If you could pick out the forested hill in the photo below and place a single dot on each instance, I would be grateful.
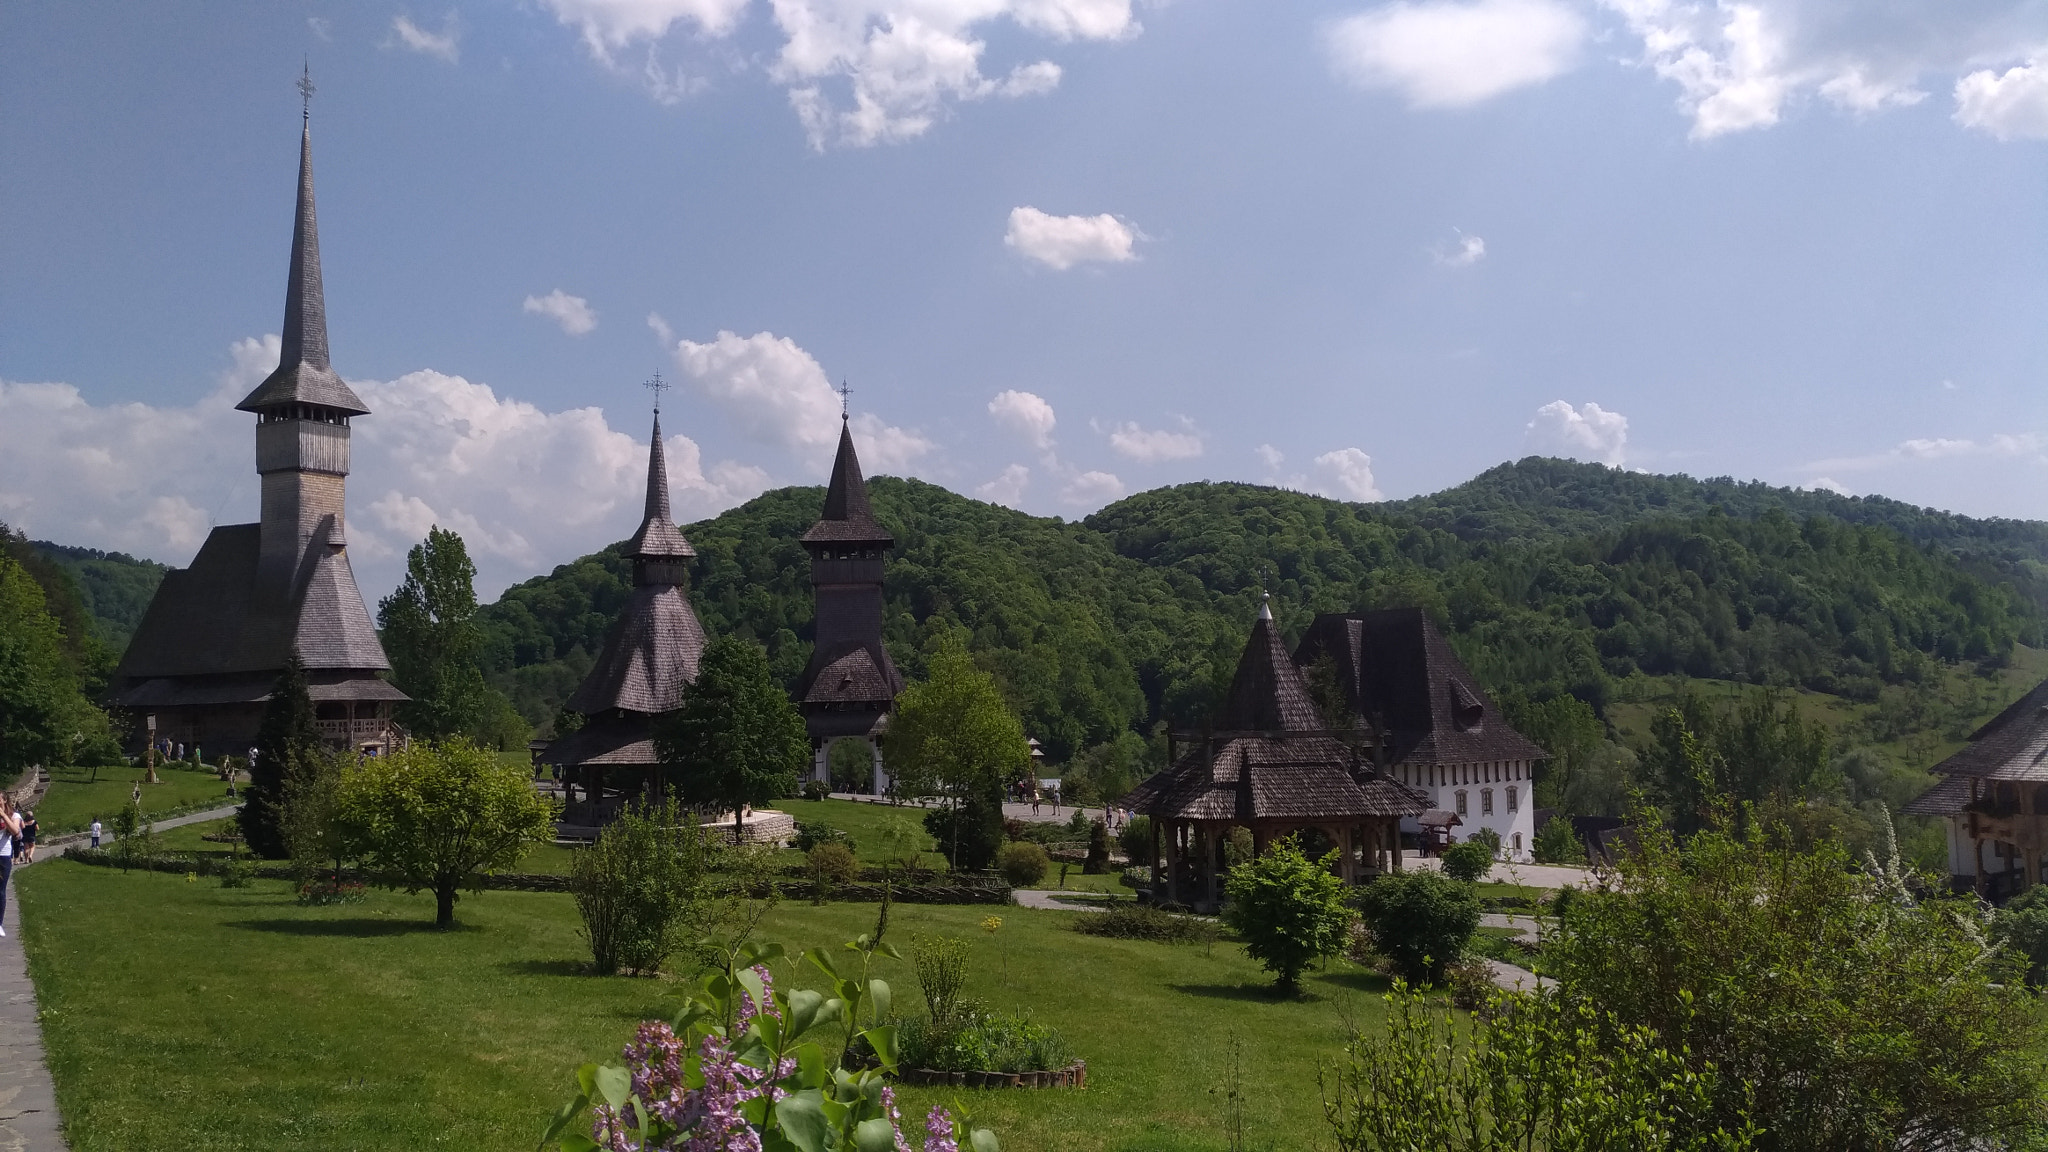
(1553, 577)
(114, 588)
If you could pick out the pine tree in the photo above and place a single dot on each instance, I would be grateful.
(287, 738)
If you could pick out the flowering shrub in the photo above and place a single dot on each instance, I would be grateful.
(324, 890)
(744, 1068)
(984, 1042)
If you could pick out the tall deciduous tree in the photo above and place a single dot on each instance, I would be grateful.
(431, 634)
(287, 742)
(953, 735)
(435, 817)
(38, 689)
(737, 740)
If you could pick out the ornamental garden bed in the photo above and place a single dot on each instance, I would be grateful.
(1074, 1075)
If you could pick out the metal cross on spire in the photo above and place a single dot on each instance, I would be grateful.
(657, 386)
(844, 392)
(306, 90)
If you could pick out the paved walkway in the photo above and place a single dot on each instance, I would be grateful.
(1510, 978)
(1046, 814)
(1532, 875)
(28, 1100)
(1526, 927)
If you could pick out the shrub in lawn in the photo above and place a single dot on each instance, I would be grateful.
(1022, 863)
(1135, 838)
(1467, 861)
(811, 833)
(1136, 878)
(1528, 1072)
(1420, 921)
(982, 1041)
(1137, 922)
(1098, 849)
(637, 889)
(1289, 909)
(815, 790)
(436, 817)
(325, 890)
(969, 833)
(940, 963)
(830, 865)
(1557, 843)
(236, 871)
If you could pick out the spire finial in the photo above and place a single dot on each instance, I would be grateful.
(306, 90)
(657, 386)
(1265, 605)
(844, 392)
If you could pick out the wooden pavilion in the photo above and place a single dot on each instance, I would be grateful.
(1272, 767)
(1993, 797)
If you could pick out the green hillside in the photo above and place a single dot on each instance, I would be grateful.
(1552, 578)
(113, 587)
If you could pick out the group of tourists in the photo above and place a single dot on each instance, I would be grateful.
(17, 838)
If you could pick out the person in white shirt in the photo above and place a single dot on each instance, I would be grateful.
(95, 832)
(10, 827)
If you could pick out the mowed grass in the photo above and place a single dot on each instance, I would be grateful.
(74, 798)
(181, 1015)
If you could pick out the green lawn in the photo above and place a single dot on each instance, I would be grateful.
(864, 823)
(74, 799)
(181, 1015)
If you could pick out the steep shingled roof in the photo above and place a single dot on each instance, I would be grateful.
(2012, 745)
(650, 656)
(303, 375)
(847, 517)
(658, 536)
(1397, 670)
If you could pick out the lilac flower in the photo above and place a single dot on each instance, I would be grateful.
(938, 1131)
(895, 1119)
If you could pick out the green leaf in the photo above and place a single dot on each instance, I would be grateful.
(810, 1066)
(985, 1141)
(878, 992)
(615, 1084)
(877, 1135)
(578, 1142)
(802, 1119)
(586, 1079)
(887, 949)
(883, 1040)
(823, 960)
(562, 1117)
(805, 1009)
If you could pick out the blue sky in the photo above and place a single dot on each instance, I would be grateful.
(1062, 250)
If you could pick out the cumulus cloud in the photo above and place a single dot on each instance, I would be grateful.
(526, 488)
(571, 312)
(1738, 65)
(1025, 413)
(1470, 250)
(1152, 445)
(1007, 488)
(1092, 489)
(610, 25)
(445, 44)
(1063, 241)
(1348, 474)
(1588, 432)
(2010, 105)
(776, 393)
(1999, 445)
(1447, 54)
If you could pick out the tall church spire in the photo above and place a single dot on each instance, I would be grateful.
(658, 537)
(847, 515)
(303, 375)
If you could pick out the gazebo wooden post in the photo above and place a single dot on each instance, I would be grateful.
(1173, 864)
(1212, 845)
(1155, 822)
(1394, 842)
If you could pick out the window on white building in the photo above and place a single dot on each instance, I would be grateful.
(1486, 801)
(1461, 802)
(1514, 799)
(1518, 843)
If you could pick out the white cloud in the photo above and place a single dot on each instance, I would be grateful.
(445, 44)
(1739, 64)
(1588, 432)
(1007, 488)
(1446, 54)
(1825, 484)
(610, 25)
(1092, 489)
(776, 393)
(2011, 105)
(1064, 241)
(1151, 445)
(1271, 457)
(1348, 473)
(1025, 413)
(321, 26)
(525, 488)
(571, 312)
(1470, 250)
(1999, 445)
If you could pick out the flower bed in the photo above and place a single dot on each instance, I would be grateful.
(1074, 1075)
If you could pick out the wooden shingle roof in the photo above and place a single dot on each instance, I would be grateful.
(847, 518)
(2012, 745)
(658, 537)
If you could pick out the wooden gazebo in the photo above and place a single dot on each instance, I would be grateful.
(1273, 768)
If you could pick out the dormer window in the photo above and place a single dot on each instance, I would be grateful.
(1467, 713)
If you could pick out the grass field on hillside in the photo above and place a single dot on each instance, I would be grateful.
(181, 1015)
(74, 798)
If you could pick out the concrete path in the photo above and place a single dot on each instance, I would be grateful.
(28, 1100)
(1046, 814)
(1526, 928)
(1510, 978)
(1531, 875)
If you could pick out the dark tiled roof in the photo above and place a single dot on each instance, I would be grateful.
(851, 674)
(1944, 799)
(1399, 671)
(302, 375)
(1257, 778)
(658, 536)
(1268, 693)
(210, 620)
(649, 657)
(2012, 745)
(606, 740)
(847, 518)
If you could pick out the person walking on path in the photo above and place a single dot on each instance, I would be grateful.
(28, 837)
(95, 831)
(10, 827)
